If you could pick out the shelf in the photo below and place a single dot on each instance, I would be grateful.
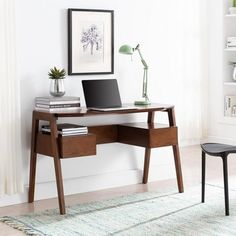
(231, 49)
(228, 120)
(230, 16)
(230, 83)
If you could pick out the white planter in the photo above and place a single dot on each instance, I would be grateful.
(232, 10)
(234, 73)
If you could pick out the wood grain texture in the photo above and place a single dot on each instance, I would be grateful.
(33, 158)
(57, 165)
(69, 146)
(175, 147)
(77, 146)
(104, 133)
(147, 135)
(146, 165)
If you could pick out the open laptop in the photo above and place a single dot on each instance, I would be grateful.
(103, 95)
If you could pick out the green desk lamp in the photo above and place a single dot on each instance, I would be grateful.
(128, 50)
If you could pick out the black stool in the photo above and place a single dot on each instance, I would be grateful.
(221, 150)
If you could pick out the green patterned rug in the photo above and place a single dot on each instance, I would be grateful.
(141, 214)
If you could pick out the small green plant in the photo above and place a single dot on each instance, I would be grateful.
(55, 73)
(234, 3)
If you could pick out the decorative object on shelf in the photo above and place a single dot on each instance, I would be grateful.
(57, 88)
(230, 105)
(90, 41)
(232, 10)
(231, 42)
(128, 50)
(234, 70)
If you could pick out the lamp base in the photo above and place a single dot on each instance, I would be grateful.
(142, 102)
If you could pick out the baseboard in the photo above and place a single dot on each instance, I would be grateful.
(216, 139)
(47, 190)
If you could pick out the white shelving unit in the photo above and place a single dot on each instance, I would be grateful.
(229, 55)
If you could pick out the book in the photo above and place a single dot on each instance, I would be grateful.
(67, 126)
(49, 106)
(57, 100)
(66, 129)
(232, 44)
(67, 134)
(230, 105)
(59, 109)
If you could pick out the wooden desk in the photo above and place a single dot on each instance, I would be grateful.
(148, 135)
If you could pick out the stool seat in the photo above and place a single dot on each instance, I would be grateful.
(218, 149)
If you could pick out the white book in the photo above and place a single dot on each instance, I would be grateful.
(66, 109)
(51, 106)
(230, 105)
(231, 44)
(57, 100)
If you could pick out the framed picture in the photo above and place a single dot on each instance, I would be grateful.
(90, 41)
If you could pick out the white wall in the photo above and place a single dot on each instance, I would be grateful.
(42, 43)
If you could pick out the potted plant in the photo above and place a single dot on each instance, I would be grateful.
(232, 10)
(57, 77)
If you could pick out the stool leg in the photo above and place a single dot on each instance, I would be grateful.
(203, 175)
(225, 172)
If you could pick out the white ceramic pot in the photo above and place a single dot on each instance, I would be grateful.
(232, 10)
(234, 73)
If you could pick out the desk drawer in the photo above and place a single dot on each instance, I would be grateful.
(147, 135)
(69, 146)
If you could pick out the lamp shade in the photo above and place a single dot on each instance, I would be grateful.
(126, 49)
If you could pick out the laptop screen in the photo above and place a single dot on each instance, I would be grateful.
(101, 93)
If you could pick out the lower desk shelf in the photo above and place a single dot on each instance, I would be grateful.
(69, 146)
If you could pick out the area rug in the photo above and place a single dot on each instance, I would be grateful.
(150, 213)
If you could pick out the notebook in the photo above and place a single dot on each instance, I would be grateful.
(103, 95)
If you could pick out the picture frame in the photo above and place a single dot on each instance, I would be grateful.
(90, 41)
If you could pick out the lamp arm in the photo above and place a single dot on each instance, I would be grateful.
(142, 60)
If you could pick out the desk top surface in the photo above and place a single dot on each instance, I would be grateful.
(83, 111)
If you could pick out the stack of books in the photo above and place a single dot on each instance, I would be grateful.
(231, 42)
(57, 104)
(66, 129)
(230, 105)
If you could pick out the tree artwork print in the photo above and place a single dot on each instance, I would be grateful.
(91, 39)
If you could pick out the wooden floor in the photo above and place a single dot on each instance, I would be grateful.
(191, 163)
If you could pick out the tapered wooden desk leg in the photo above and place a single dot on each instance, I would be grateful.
(172, 122)
(60, 191)
(33, 159)
(57, 165)
(150, 120)
(146, 165)
(178, 168)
